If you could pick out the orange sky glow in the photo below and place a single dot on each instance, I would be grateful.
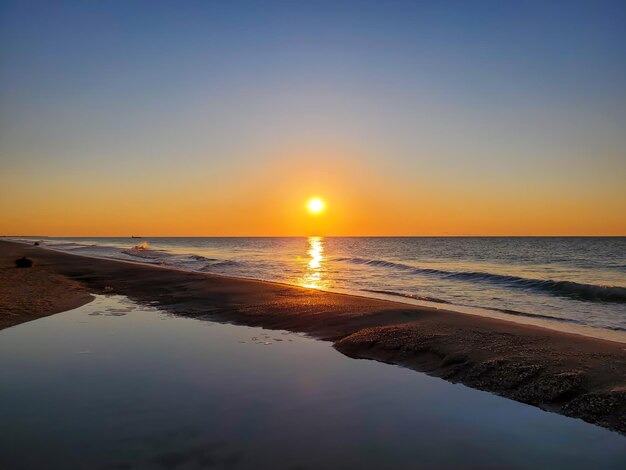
(270, 200)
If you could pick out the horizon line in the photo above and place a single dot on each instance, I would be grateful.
(136, 237)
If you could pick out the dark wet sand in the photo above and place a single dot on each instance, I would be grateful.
(565, 373)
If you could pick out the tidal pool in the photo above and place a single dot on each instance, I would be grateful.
(114, 384)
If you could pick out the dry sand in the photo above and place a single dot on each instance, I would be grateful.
(28, 294)
(569, 374)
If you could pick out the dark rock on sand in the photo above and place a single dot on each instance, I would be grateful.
(23, 262)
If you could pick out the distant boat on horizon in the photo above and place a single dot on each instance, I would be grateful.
(133, 236)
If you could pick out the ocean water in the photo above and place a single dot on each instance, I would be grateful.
(570, 283)
(114, 384)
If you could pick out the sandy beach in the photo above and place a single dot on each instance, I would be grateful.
(569, 374)
(28, 294)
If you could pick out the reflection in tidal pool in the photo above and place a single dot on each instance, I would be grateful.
(117, 385)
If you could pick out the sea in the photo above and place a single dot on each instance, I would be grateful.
(575, 284)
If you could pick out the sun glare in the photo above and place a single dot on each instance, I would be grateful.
(315, 205)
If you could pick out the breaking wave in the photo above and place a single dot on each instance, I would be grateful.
(571, 289)
(143, 253)
(407, 296)
(218, 264)
(516, 313)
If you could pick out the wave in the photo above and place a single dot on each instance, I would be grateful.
(201, 258)
(549, 317)
(516, 313)
(148, 255)
(407, 296)
(571, 289)
(143, 253)
(218, 264)
(190, 262)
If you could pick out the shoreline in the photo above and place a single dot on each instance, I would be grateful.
(567, 373)
(529, 319)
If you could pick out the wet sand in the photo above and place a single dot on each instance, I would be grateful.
(569, 374)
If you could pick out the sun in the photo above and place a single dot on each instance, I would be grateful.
(315, 205)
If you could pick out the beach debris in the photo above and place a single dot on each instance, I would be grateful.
(24, 262)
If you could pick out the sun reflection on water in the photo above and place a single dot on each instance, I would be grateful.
(315, 275)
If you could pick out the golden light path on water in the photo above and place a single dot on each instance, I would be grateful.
(315, 275)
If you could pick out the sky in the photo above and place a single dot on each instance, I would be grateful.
(196, 118)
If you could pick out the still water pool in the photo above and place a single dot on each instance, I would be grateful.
(114, 384)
